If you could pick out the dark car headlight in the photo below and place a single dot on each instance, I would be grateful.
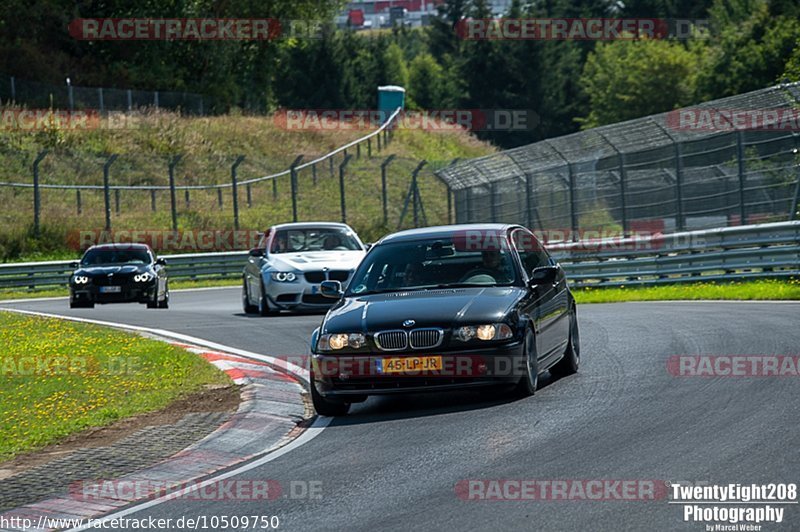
(488, 331)
(80, 279)
(143, 277)
(337, 341)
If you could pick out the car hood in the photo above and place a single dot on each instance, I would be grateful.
(116, 269)
(316, 260)
(431, 308)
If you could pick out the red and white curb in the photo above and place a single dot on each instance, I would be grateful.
(272, 419)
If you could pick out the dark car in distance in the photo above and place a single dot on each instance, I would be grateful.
(441, 308)
(119, 273)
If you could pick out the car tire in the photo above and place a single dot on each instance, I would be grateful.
(165, 302)
(572, 355)
(246, 306)
(263, 304)
(326, 407)
(530, 380)
(153, 303)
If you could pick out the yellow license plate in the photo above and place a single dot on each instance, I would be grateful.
(410, 364)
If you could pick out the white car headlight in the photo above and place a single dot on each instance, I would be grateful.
(80, 279)
(142, 277)
(284, 277)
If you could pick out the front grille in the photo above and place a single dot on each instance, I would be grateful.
(315, 277)
(116, 280)
(338, 275)
(391, 340)
(317, 299)
(425, 338)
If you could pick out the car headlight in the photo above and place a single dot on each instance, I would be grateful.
(80, 279)
(283, 277)
(489, 331)
(334, 342)
(142, 277)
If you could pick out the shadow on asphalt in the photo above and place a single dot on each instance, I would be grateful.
(395, 407)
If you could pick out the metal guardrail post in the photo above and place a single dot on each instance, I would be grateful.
(369, 148)
(342, 200)
(235, 191)
(384, 192)
(106, 190)
(172, 199)
(741, 168)
(37, 197)
(378, 137)
(358, 151)
(293, 176)
(680, 223)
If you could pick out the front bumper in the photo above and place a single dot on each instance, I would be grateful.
(129, 293)
(296, 295)
(340, 376)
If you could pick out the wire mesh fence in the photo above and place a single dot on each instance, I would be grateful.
(36, 95)
(726, 162)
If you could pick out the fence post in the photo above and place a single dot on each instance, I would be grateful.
(70, 96)
(369, 147)
(219, 198)
(13, 89)
(249, 195)
(106, 190)
(740, 156)
(78, 201)
(413, 195)
(492, 202)
(384, 199)
(528, 203)
(116, 201)
(378, 137)
(155, 99)
(235, 191)
(293, 176)
(100, 99)
(274, 188)
(573, 203)
(358, 151)
(172, 199)
(187, 198)
(37, 197)
(314, 173)
(450, 195)
(153, 199)
(342, 201)
(330, 160)
(679, 223)
(130, 100)
(623, 200)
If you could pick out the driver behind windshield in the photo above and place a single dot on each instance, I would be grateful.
(494, 264)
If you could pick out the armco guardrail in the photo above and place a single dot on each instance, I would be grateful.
(769, 250)
(753, 251)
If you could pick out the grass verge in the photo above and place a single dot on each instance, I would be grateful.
(746, 290)
(58, 378)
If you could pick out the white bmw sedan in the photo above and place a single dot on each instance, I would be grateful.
(285, 270)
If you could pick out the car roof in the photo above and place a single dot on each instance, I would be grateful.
(441, 231)
(310, 225)
(120, 245)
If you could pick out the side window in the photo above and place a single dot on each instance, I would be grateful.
(531, 252)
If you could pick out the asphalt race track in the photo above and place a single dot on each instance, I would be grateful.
(393, 463)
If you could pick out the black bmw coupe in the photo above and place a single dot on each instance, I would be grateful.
(119, 273)
(440, 308)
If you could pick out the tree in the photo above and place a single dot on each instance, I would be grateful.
(425, 82)
(396, 71)
(630, 79)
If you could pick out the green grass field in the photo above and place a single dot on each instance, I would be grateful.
(58, 378)
(209, 146)
(745, 290)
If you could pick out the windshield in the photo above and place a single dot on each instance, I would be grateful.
(314, 239)
(432, 263)
(115, 256)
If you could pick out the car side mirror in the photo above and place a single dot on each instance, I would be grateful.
(543, 275)
(332, 289)
(256, 252)
(161, 262)
(75, 265)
